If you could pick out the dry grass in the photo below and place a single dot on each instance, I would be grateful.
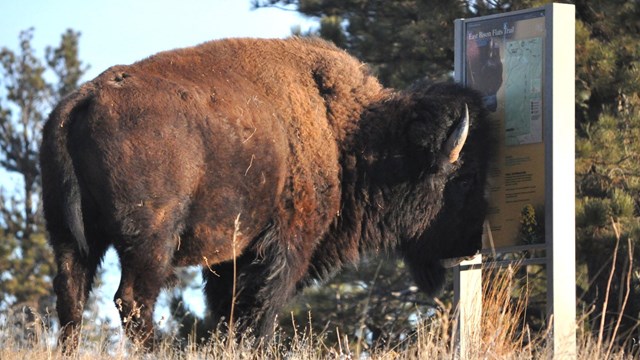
(504, 336)
(429, 344)
(22, 343)
(504, 333)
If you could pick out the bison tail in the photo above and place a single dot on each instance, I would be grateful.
(61, 189)
(75, 220)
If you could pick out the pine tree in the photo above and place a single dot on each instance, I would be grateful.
(401, 40)
(607, 164)
(26, 96)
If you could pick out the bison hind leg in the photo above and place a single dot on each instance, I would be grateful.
(72, 284)
(146, 263)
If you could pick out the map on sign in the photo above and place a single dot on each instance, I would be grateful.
(523, 91)
(504, 60)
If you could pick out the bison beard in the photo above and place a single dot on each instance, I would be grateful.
(292, 141)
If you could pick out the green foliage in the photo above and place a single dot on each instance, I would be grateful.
(65, 63)
(607, 159)
(594, 212)
(622, 204)
(26, 262)
(607, 67)
(373, 306)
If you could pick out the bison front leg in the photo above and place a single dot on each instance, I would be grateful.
(285, 270)
(144, 271)
(220, 284)
(234, 286)
(263, 285)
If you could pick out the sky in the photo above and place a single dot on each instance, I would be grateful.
(124, 31)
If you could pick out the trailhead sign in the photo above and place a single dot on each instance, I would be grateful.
(505, 61)
(523, 63)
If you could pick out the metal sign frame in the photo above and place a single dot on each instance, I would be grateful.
(559, 188)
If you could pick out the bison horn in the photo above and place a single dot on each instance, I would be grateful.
(455, 142)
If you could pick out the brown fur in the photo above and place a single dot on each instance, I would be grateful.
(293, 138)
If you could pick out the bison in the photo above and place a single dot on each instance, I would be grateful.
(279, 161)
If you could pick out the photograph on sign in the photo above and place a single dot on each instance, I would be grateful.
(504, 60)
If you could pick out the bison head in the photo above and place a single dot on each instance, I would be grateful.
(456, 230)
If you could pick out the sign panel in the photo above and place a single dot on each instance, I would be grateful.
(523, 62)
(504, 58)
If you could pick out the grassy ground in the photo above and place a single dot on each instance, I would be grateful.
(503, 337)
(431, 341)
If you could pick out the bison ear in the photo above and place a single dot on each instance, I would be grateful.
(455, 142)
